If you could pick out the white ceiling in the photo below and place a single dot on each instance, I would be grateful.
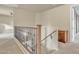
(32, 7)
(9, 5)
(38, 7)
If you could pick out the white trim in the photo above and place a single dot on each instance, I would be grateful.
(71, 23)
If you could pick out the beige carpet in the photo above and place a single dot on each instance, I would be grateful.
(9, 46)
(69, 48)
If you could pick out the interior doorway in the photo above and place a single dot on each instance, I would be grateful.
(74, 24)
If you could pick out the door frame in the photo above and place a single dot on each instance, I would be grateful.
(72, 23)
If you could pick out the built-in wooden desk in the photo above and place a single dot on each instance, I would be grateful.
(62, 36)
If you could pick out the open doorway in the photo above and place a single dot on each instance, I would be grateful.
(74, 24)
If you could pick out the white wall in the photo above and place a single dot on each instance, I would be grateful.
(5, 15)
(6, 11)
(37, 18)
(57, 17)
(6, 19)
(24, 17)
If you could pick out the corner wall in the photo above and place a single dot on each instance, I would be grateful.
(58, 17)
(24, 17)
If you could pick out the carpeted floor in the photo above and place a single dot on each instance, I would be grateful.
(69, 48)
(9, 46)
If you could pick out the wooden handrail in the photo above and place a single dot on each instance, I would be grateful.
(26, 27)
(48, 35)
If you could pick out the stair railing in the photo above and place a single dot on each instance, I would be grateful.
(37, 43)
(50, 35)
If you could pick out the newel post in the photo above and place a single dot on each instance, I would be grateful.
(38, 39)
